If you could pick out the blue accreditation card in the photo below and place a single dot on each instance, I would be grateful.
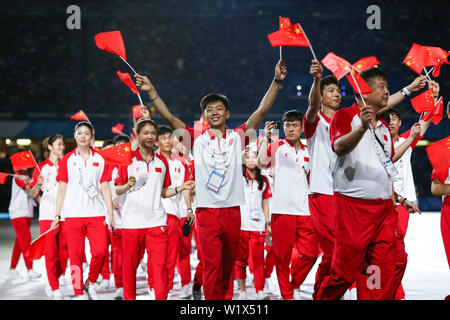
(215, 181)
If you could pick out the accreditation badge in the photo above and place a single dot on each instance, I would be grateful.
(215, 181)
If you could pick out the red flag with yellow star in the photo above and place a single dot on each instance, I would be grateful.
(424, 102)
(120, 154)
(435, 115)
(22, 160)
(294, 36)
(79, 116)
(117, 129)
(366, 63)
(415, 59)
(439, 154)
(433, 55)
(339, 66)
(362, 86)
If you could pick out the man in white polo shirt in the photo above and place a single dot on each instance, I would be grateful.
(218, 178)
(291, 221)
(362, 184)
(144, 220)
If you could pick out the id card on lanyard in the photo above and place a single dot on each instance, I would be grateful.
(220, 162)
(385, 160)
(86, 178)
(255, 211)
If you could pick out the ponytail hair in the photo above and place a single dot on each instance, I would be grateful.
(50, 140)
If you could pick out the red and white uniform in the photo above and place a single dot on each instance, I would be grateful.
(291, 222)
(21, 214)
(253, 230)
(444, 177)
(217, 213)
(57, 252)
(84, 212)
(179, 173)
(365, 214)
(144, 223)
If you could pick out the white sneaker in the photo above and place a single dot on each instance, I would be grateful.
(142, 268)
(260, 295)
(104, 284)
(62, 282)
(48, 291)
(151, 294)
(90, 290)
(242, 295)
(33, 275)
(297, 295)
(81, 297)
(353, 294)
(186, 292)
(14, 275)
(57, 295)
(119, 294)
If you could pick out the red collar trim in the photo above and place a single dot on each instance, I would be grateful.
(325, 117)
(137, 154)
(301, 144)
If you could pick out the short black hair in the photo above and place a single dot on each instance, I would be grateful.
(108, 142)
(145, 122)
(386, 116)
(213, 97)
(370, 74)
(324, 82)
(162, 130)
(292, 115)
(121, 137)
(84, 124)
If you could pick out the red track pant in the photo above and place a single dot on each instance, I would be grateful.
(269, 262)
(56, 252)
(23, 239)
(365, 240)
(323, 219)
(105, 272)
(76, 230)
(251, 244)
(173, 234)
(116, 256)
(445, 226)
(289, 231)
(184, 255)
(155, 241)
(218, 230)
(198, 276)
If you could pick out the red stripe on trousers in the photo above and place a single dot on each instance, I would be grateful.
(323, 219)
(251, 244)
(56, 252)
(154, 240)
(365, 236)
(76, 231)
(23, 239)
(289, 232)
(218, 230)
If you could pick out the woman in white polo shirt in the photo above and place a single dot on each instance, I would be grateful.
(44, 184)
(84, 196)
(144, 220)
(254, 218)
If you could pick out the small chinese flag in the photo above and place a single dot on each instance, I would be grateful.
(289, 35)
(439, 154)
(435, 115)
(120, 154)
(364, 88)
(285, 23)
(433, 55)
(117, 129)
(366, 63)
(437, 66)
(336, 64)
(3, 177)
(424, 102)
(125, 77)
(415, 59)
(22, 160)
(137, 111)
(38, 247)
(111, 42)
(79, 116)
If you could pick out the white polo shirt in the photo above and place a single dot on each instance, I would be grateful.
(404, 181)
(360, 174)
(21, 203)
(49, 189)
(179, 173)
(252, 214)
(115, 197)
(322, 157)
(208, 150)
(143, 206)
(78, 174)
(290, 182)
(189, 173)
